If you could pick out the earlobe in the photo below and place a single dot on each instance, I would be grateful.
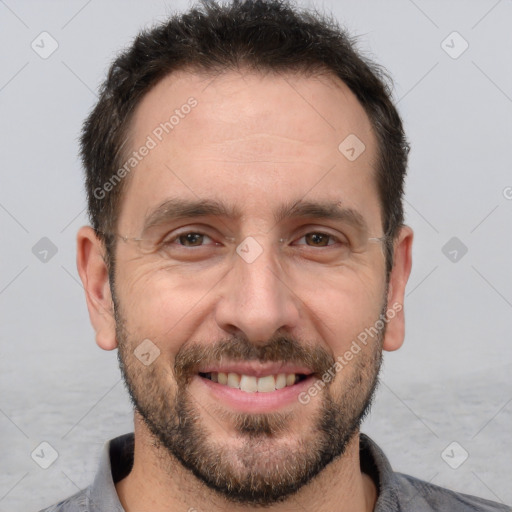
(93, 272)
(402, 264)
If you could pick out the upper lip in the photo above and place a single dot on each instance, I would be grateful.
(255, 368)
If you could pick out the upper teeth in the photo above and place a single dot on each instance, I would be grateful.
(251, 384)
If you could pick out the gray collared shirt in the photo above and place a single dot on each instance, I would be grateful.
(397, 492)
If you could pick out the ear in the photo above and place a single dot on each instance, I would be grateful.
(94, 275)
(402, 263)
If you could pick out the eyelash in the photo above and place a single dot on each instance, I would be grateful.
(176, 237)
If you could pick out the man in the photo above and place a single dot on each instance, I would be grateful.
(248, 258)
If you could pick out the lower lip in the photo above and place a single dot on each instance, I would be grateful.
(256, 402)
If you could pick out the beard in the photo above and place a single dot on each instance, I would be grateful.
(261, 464)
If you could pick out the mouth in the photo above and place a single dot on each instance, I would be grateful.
(252, 383)
(254, 387)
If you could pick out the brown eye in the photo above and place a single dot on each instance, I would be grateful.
(191, 239)
(318, 239)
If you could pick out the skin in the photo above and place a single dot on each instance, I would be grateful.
(255, 141)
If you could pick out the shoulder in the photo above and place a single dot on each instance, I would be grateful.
(76, 503)
(421, 496)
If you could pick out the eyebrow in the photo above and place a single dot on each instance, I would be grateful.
(178, 208)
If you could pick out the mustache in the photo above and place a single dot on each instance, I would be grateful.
(239, 348)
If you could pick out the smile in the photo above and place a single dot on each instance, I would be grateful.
(253, 384)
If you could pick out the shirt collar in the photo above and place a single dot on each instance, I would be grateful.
(117, 460)
(375, 464)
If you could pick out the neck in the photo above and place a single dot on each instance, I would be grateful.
(340, 487)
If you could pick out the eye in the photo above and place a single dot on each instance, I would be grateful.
(319, 239)
(187, 239)
(198, 239)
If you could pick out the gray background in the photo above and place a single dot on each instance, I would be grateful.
(451, 379)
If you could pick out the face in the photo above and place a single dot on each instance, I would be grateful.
(254, 271)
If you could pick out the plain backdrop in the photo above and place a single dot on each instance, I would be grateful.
(450, 382)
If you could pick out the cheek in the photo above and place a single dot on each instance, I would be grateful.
(159, 303)
(342, 304)
(168, 303)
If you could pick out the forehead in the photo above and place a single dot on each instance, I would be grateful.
(250, 139)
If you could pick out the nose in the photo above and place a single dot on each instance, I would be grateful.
(255, 297)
